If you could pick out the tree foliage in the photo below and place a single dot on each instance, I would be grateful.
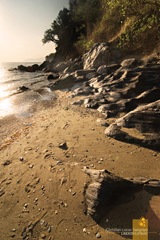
(139, 19)
(130, 23)
(58, 27)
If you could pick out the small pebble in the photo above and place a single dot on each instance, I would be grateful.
(13, 235)
(43, 236)
(84, 230)
(63, 180)
(45, 151)
(6, 163)
(98, 235)
(21, 159)
(47, 155)
(42, 222)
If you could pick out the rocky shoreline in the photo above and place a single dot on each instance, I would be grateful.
(128, 91)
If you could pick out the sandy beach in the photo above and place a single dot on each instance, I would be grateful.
(42, 178)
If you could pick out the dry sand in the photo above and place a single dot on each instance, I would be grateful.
(41, 186)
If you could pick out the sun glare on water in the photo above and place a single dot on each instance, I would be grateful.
(1, 73)
(6, 107)
(3, 92)
(3, 88)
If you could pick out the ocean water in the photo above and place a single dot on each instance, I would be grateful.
(15, 102)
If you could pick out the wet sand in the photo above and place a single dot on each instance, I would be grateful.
(41, 183)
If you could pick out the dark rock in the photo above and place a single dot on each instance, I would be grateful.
(63, 146)
(104, 190)
(52, 76)
(23, 88)
(44, 65)
(22, 68)
(32, 68)
(7, 162)
(2, 192)
(148, 96)
(112, 68)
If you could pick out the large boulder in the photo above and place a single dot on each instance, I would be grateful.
(105, 190)
(52, 76)
(23, 88)
(98, 55)
(144, 118)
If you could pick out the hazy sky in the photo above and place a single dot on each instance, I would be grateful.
(22, 25)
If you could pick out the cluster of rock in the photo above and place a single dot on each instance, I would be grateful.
(32, 68)
(128, 91)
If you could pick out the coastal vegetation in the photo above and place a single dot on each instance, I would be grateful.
(129, 25)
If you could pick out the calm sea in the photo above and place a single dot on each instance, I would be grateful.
(19, 103)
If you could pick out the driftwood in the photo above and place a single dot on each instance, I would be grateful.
(104, 190)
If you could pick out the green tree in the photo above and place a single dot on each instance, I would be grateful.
(58, 28)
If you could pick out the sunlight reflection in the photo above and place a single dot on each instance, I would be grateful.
(6, 107)
(2, 73)
(3, 92)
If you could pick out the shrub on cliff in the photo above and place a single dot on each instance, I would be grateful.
(130, 23)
